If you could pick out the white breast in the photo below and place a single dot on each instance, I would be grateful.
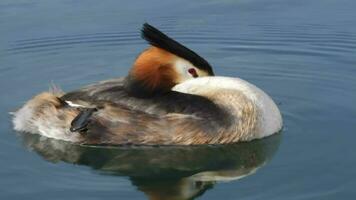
(271, 120)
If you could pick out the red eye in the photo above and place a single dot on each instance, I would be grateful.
(193, 72)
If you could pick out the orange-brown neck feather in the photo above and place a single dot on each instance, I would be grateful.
(153, 68)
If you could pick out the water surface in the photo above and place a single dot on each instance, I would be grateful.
(302, 53)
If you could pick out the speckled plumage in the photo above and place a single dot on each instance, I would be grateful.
(213, 114)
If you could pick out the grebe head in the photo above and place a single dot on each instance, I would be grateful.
(164, 64)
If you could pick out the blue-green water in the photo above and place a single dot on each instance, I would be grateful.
(302, 53)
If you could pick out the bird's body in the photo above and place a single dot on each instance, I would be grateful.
(209, 110)
(165, 100)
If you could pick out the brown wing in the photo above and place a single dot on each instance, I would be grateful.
(115, 124)
(113, 91)
(170, 118)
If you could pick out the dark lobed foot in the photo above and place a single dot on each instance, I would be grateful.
(81, 121)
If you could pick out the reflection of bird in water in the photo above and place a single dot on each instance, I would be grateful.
(176, 189)
(164, 172)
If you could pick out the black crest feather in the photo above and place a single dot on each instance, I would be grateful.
(158, 39)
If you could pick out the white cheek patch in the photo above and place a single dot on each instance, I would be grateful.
(74, 104)
(182, 66)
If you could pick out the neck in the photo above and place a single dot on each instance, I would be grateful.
(251, 109)
(138, 88)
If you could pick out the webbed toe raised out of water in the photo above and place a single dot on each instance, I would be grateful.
(81, 121)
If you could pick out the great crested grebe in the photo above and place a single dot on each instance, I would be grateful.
(169, 97)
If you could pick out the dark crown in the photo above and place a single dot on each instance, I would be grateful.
(160, 40)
